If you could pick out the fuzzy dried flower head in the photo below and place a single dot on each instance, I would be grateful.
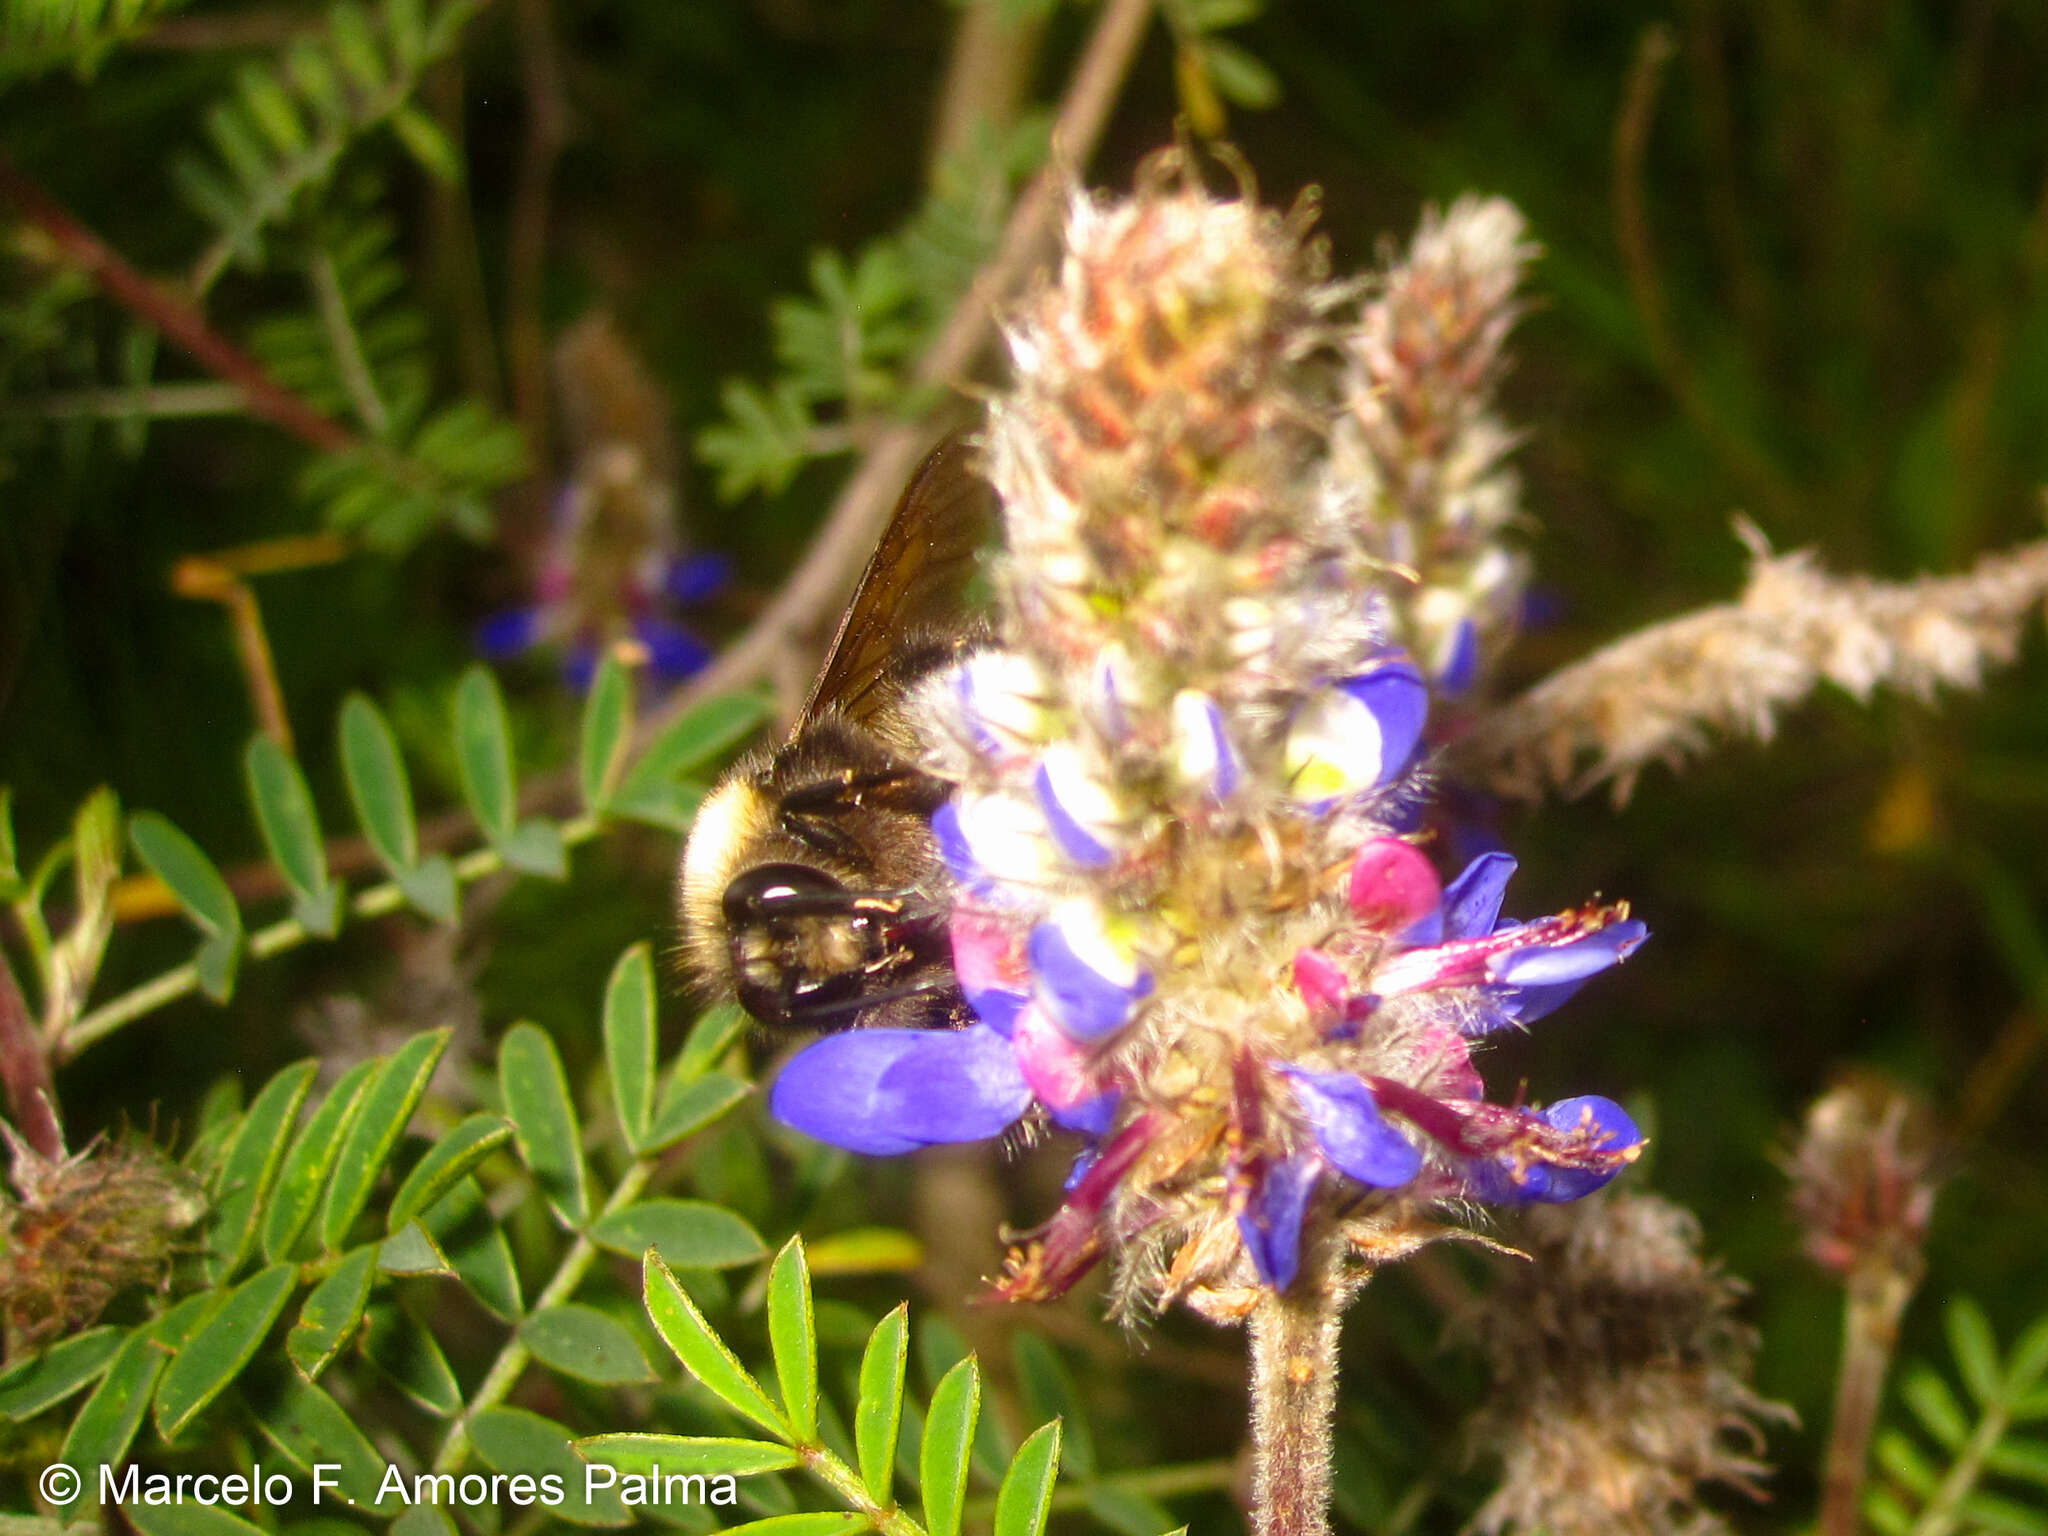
(1622, 1377)
(1862, 1178)
(1193, 912)
(82, 1229)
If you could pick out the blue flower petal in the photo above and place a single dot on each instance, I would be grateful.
(1498, 1180)
(1472, 901)
(1552, 965)
(1348, 1127)
(889, 1091)
(1615, 1131)
(997, 1007)
(1459, 667)
(1073, 838)
(1092, 1117)
(507, 634)
(579, 665)
(1270, 1224)
(673, 653)
(694, 578)
(1082, 1000)
(1399, 701)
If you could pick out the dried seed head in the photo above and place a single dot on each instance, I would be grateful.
(83, 1229)
(1622, 1377)
(1862, 1180)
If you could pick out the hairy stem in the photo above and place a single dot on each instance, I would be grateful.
(1877, 1298)
(1294, 1394)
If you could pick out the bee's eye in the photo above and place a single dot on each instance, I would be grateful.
(770, 891)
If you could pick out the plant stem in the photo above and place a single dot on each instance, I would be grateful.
(1294, 1395)
(512, 1359)
(25, 1071)
(173, 984)
(170, 314)
(1876, 1300)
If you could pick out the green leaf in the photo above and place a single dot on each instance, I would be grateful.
(1886, 1514)
(793, 1339)
(1241, 78)
(177, 861)
(703, 1353)
(822, 1522)
(224, 1343)
(702, 735)
(10, 869)
(536, 847)
(607, 718)
(444, 1163)
(2017, 1456)
(512, 1440)
(423, 1520)
(296, 1195)
(410, 1358)
(1996, 1516)
(879, 1412)
(250, 1166)
(629, 1035)
(475, 1245)
(1025, 1498)
(1936, 1407)
(1132, 1514)
(412, 1251)
(865, 1251)
(291, 832)
(948, 1447)
(1899, 1455)
(106, 1425)
(374, 1130)
(1976, 1350)
(687, 1234)
(581, 1342)
(29, 1386)
(331, 1311)
(311, 1429)
(544, 1120)
(687, 1110)
(426, 143)
(1049, 1393)
(187, 1520)
(2029, 1360)
(709, 1039)
(483, 753)
(377, 785)
(639, 1455)
(431, 887)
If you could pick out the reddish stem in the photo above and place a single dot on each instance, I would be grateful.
(25, 1071)
(171, 315)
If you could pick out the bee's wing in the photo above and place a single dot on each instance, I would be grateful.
(915, 581)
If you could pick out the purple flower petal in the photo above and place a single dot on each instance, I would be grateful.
(1270, 1224)
(1087, 986)
(1202, 750)
(1552, 965)
(579, 665)
(890, 1091)
(1472, 901)
(1092, 1117)
(1349, 1128)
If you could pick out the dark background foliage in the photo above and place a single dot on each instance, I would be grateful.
(1841, 231)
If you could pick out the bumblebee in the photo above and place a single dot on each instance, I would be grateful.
(811, 888)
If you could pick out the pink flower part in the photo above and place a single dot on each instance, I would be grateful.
(988, 952)
(1059, 1070)
(1321, 984)
(1392, 885)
